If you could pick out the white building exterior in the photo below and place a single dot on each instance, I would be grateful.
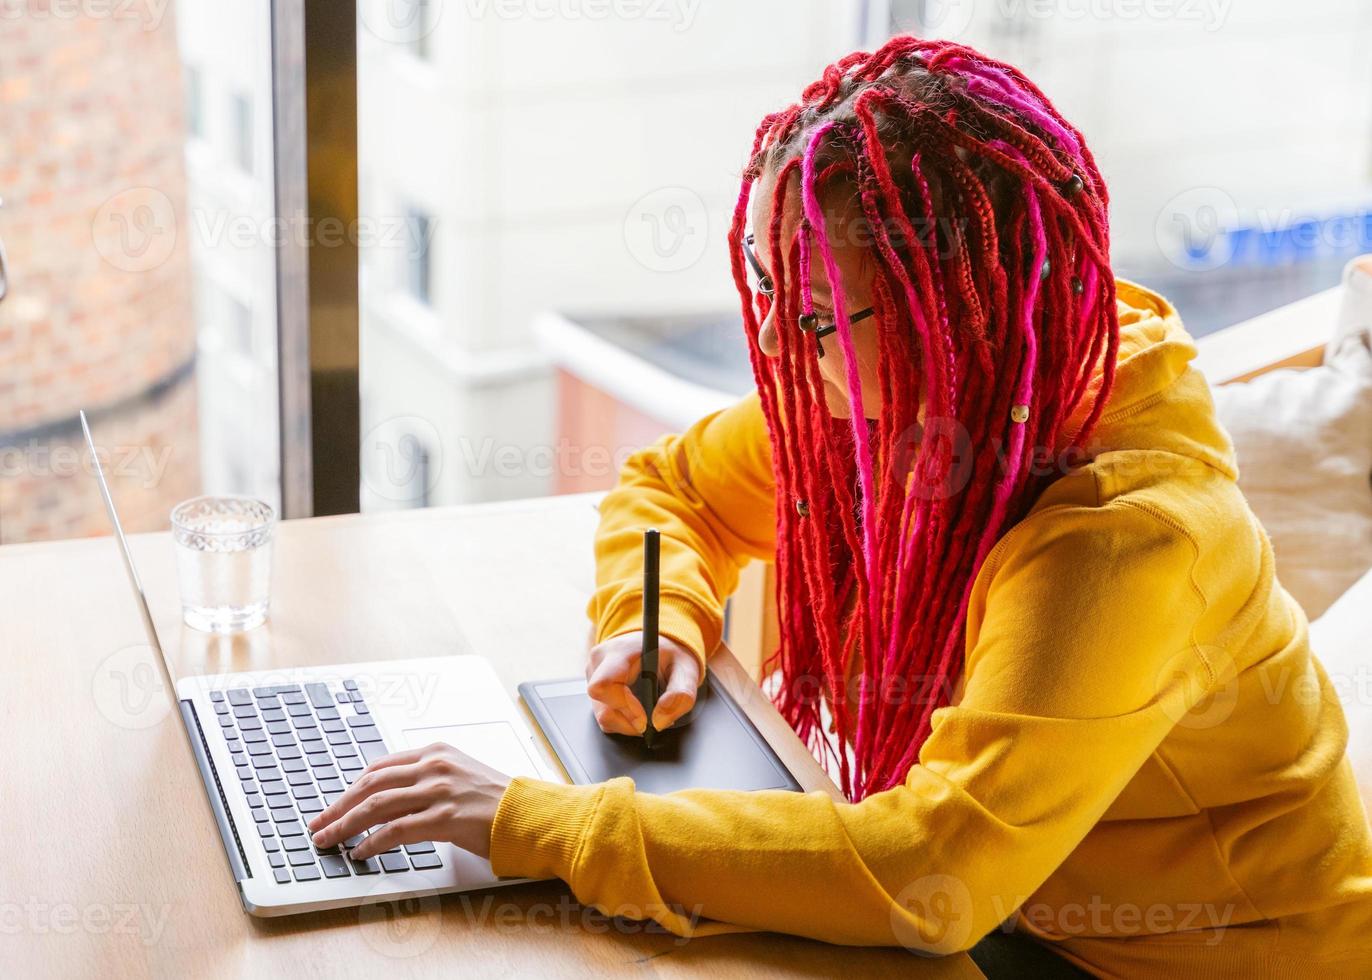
(518, 156)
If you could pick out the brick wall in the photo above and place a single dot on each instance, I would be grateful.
(99, 312)
(47, 485)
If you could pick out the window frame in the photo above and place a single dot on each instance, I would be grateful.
(314, 65)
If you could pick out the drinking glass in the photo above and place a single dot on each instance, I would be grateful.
(224, 561)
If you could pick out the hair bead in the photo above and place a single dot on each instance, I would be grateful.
(1019, 413)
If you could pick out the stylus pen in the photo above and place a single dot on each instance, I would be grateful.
(650, 685)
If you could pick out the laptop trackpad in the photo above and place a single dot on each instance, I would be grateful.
(493, 742)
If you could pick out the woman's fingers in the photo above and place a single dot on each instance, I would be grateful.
(614, 670)
(614, 667)
(616, 648)
(371, 812)
(616, 722)
(680, 693)
(406, 758)
(376, 777)
(404, 830)
(609, 690)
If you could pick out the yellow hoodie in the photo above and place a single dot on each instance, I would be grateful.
(1146, 765)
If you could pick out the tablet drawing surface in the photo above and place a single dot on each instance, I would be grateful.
(718, 749)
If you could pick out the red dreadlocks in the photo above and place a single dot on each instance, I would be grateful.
(997, 336)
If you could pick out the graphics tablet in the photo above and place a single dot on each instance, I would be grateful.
(718, 749)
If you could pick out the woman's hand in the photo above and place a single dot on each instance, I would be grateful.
(612, 670)
(428, 794)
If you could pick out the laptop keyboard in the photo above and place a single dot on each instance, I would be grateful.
(296, 747)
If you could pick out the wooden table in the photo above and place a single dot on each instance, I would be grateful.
(110, 862)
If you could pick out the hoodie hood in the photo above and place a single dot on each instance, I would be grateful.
(1159, 402)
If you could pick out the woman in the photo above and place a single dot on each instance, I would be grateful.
(1026, 616)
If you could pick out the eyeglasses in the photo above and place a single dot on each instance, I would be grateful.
(809, 322)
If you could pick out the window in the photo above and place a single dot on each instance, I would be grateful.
(421, 20)
(195, 100)
(242, 130)
(149, 215)
(403, 25)
(239, 327)
(415, 462)
(579, 161)
(418, 257)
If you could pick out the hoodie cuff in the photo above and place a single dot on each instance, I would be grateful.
(539, 828)
(679, 619)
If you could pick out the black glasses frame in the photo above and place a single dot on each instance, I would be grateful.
(809, 322)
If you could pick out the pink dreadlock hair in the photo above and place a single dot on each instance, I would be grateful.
(997, 336)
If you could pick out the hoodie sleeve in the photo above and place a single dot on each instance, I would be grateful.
(711, 494)
(1071, 682)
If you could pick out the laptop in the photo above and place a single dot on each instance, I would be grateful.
(273, 748)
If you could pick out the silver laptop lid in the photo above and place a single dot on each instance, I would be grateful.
(134, 581)
(214, 792)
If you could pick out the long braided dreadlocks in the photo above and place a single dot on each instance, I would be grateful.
(997, 335)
